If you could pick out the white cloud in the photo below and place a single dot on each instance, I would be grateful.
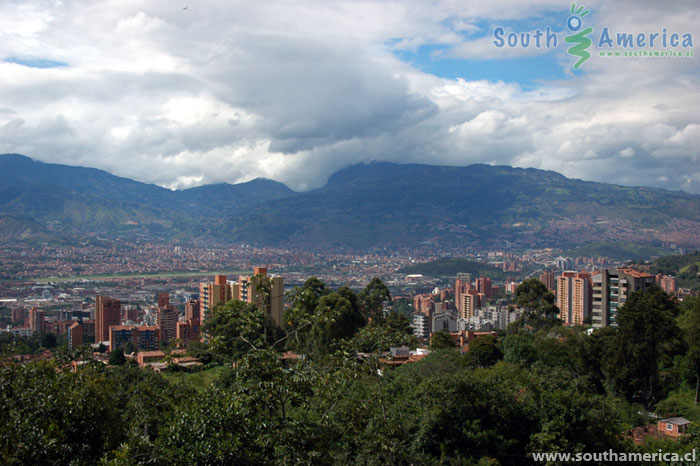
(231, 91)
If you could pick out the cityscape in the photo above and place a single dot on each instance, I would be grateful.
(387, 232)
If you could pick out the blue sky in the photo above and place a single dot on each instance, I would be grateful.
(231, 91)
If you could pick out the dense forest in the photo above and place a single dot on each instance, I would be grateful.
(539, 387)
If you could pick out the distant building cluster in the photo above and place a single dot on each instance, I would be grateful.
(582, 297)
(116, 325)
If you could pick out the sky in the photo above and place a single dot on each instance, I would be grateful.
(184, 93)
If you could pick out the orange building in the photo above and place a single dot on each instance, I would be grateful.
(75, 336)
(463, 282)
(108, 312)
(36, 320)
(469, 302)
(574, 294)
(213, 294)
(547, 277)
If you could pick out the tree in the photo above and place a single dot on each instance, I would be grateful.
(402, 306)
(689, 322)
(399, 323)
(483, 352)
(441, 340)
(538, 305)
(48, 340)
(299, 318)
(372, 299)
(646, 332)
(130, 348)
(519, 349)
(235, 328)
(117, 358)
(337, 317)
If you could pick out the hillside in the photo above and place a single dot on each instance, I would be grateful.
(377, 205)
(685, 267)
(385, 204)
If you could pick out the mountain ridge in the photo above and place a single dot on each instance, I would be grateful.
(379, 204)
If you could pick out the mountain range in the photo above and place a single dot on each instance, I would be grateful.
(375, 205)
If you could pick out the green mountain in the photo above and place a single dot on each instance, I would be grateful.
(380, 205)
(55, 203)
(389, 205)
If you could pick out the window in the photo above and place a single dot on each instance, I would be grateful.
(669, 426)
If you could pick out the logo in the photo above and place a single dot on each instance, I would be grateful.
(580, 40)
(663, 43)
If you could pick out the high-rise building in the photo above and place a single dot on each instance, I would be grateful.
(611, 288)
(18, 315)
(163, 299)
(192, 308)
(107, 313)
(469, 302)
(667, 283)
(188, 330)
(36, 320)
(75, 336)
(167, 322)
(423, 303)
(574, 297)
(483, 285)
(511, 286)
(421, 326)
(130, 313)
(547, 277)
(463, 282)
(219, 292)
(265, 291)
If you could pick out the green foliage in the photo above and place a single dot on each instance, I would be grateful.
(338, 318)
(320, 319)
(689, 323)
(117, 358)
(403, 307)
(441, 340)
(372, 299)
(399, 323)
(646, 333)
(483, 352)
(519, 349)
(537, 301)
(237, 327)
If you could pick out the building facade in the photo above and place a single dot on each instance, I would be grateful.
(218, 292)
(574, 297)
(611, 288)
(107, 313)
(144, 338)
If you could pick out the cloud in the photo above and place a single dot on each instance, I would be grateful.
(293, 92)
